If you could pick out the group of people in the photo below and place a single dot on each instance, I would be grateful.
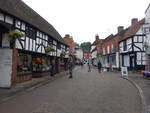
(99, 66)
(71, 66)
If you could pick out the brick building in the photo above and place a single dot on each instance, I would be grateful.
(94, 49)
(70, 42)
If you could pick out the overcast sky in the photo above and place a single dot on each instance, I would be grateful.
(82, 19)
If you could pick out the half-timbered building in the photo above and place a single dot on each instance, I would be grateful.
(28, 58)
(132, 51)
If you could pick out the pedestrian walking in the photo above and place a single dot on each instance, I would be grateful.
(89, 66)
(99, 65)
(110, 66)
(52, 68)
(70, 66)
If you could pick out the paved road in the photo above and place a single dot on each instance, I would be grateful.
(87, 92)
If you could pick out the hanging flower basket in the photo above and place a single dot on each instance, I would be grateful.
(13, 35)
(49, 49)
(63, 53)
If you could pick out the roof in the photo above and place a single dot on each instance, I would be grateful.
(22, 11)
(147, 8)
(131, 31)
(108, 38)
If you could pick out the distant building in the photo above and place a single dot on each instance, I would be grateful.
(78, 52)
(86, 55)
(70, 42)
(95, 50)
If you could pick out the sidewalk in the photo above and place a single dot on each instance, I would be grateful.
(144, 84)
(5, 94)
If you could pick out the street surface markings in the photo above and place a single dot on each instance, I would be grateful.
(42, 109)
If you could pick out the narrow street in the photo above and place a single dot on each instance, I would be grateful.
(87, 92)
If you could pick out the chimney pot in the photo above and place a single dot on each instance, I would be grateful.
(134, 21)
(96, 37)
(120, 28)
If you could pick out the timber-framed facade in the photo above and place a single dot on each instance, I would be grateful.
(29, 57)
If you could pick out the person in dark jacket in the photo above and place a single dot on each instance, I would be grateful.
(70, 66)
(52, 68)
(99, 65)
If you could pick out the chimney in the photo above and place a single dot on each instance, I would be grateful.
(67, 35)
(134, 21)
(96, 37)
(120, 28)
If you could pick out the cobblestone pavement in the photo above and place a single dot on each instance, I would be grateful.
(87, 92)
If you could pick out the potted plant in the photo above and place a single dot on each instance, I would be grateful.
(13, 35)
(49, 49)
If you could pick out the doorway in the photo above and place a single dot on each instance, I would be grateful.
(132, 62)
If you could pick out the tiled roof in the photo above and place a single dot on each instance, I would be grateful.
(131, 31)
(20, 10)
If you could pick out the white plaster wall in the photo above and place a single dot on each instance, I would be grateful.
(147, 20)
(94, 54)
(117, 59)
(126, 60)
(92, 48)
(147, 15)
(140, 31)
(79, 54)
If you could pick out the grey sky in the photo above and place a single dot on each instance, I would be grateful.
(82, 19)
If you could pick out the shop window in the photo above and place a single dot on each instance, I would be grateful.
(24, 64)
(40, 64)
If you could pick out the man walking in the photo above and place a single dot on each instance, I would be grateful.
(52, 68)
(89, 66)
(99, 65)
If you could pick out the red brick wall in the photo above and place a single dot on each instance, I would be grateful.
(14, 65)
(70, 43)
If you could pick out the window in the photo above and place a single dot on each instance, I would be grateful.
(103, 51)
(112, 48)
(30, 32)
(18, 24)
(58, 45)
(23, 65)
(50, 40)
(23, 26)
(9, 20)
(1, 17)
(108, 49)
(124, 46)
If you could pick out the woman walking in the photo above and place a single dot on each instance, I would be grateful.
(70, 66)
